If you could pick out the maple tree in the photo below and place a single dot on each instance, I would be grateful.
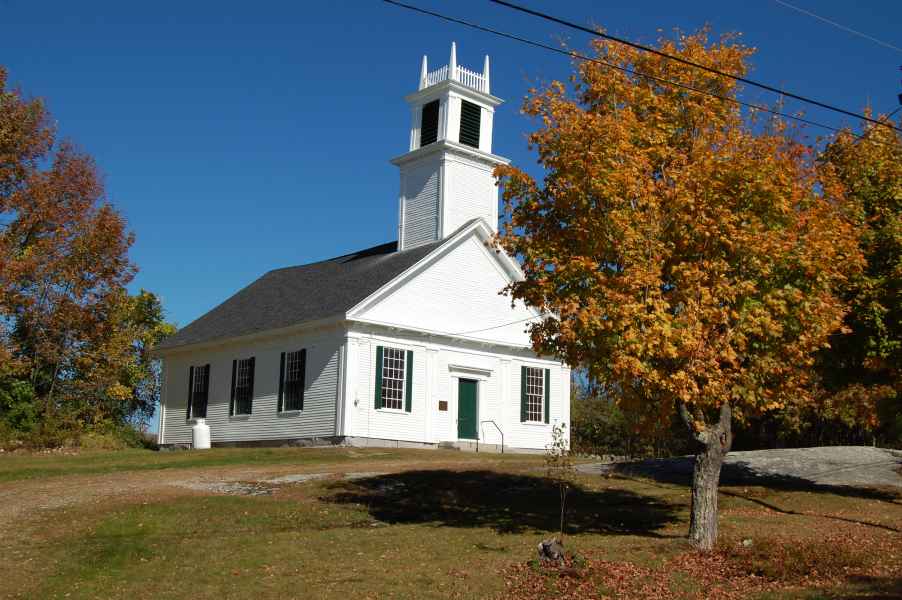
(862, 372)
(689, 252)
(71, 339)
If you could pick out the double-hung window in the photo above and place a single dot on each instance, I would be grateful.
(534, 395)
(292, 375)
(198, 391)
(242, 386)
(394, 378)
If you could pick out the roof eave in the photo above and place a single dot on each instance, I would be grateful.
(456, 87)
(444, 337)
(324, 323)
(454, 148)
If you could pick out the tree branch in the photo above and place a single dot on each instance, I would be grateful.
(698, 436)
(724, 430)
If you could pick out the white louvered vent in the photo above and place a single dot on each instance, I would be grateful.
(421, 207)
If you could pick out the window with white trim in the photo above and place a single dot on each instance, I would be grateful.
(393, 370)
(535, 393)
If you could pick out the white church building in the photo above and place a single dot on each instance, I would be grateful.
(404, 344)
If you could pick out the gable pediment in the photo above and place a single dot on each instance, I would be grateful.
(456, 290)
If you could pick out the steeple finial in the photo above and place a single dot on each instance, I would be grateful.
(424, 70)
(452, 66)
(485, 74)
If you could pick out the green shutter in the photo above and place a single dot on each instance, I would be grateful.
(302, 383)
(281, 381)
(522, 394)
(190, 391)
(547, 395)
(429, 123)
(378, 377)
(250, 396)
(470, 115)
(232, 394)
(206, 389)
(408, 392)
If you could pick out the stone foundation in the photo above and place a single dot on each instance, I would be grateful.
(360, 442)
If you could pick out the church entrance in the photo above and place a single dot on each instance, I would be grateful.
(467, 391)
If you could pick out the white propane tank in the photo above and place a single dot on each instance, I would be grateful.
(200, 435)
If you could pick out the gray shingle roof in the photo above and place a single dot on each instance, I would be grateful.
(296, 295)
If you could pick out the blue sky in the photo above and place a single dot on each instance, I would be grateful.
(237, 137)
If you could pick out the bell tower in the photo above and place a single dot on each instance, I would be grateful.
(446, 176)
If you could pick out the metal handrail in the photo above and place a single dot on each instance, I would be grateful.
(481, 423)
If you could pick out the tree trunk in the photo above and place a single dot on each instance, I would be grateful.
(715, 441)
(705, 478)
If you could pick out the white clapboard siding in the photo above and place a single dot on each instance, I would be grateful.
(420, 204)
(459, 293)
(366, 420)
(470, 192)
(498, 376)
(265, 422)
(537, 435)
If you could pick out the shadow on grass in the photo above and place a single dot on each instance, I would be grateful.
(507, 503)
(678, 471)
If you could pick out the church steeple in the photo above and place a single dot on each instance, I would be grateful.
(446, 176)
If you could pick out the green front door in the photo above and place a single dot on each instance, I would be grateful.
(466, 409)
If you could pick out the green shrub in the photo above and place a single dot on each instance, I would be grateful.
(133, 437)
(54, 432)
(114, 436)
(599, 426)
(27, 423)
(18, 410)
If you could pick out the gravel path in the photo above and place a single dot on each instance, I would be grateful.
(855, 466)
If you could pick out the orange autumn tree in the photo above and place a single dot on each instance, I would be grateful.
(688, 252)
(75, 347)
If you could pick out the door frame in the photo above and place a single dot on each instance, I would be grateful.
(457, 411)
(477, 374)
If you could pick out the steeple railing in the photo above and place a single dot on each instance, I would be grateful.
(471, 79)
(465, 76)
(436, 76)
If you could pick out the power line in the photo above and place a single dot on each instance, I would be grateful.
(497, 326)
(690, 63)
(839, 25)
(577, 55)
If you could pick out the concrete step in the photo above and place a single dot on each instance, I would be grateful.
(471, 446)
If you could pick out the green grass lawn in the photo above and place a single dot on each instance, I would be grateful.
(431, 525)
(19, 466)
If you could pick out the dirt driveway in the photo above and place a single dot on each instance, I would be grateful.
(22, 498)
